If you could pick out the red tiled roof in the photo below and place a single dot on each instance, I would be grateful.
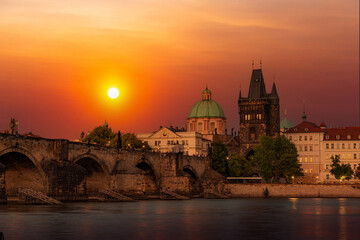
(305, 126)
(346, 133)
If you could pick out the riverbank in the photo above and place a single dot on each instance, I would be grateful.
(258, 190)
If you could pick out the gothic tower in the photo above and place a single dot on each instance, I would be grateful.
(259, 113)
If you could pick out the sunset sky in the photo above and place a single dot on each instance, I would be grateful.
(59, 58)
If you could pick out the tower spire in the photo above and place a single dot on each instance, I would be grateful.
(240, 92)
(304, 114)
(252, 64)
(260, 64)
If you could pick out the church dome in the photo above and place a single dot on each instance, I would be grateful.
(285, 123)
(206, 107)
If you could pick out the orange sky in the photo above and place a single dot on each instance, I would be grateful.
(57, 60)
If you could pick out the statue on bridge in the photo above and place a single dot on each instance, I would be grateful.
(13, 126)
(119, 143)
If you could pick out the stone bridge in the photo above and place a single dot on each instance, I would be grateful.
(73, 171)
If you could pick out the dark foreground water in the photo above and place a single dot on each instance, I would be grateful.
(193, 219)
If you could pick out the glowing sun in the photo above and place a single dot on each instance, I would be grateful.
(113, 93)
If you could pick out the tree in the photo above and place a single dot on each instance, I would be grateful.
(340, 171)
(276, 158)
(357, 172)
(129, 140)
(239, 166)
(101, 135)
(264, 157)
(219, 161)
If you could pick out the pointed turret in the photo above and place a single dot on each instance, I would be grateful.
(273, 91)
(257, 88)
(240, 93)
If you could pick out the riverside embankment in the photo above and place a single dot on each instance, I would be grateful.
(292, 190)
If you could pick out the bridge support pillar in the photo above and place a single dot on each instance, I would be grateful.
(3, 198)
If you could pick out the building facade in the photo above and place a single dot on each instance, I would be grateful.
(166, 140)
(259, 113)
(317, 144)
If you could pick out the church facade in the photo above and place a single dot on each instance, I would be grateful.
(259, 113)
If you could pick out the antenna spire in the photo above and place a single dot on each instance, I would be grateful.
(252, 64)
(260, 64)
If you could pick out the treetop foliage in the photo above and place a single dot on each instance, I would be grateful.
(103, 135)
(276, 158)
(340, 171)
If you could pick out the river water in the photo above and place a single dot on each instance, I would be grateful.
(190, 219)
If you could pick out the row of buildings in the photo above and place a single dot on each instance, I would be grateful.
(259, 114)
(316, 144)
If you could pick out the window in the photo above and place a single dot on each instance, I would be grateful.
(337, 137)
(310, 138)
(349, 145)
(310, 159)
(349, 156)
(354, 155)
(300, 138)
(200, 128)
(306, 170)
(337, 146)
(305, 138)
(168, 142)
(354, 166)
(327, 176)
(348, 137)
(354, 145)
(310, 148)
(300, 159)
(183, 142)
(343, 146)
(327, 146)
(305, 148)
(327, 166)
(300, 148)
(212, 126)
(343, 156)
(327, 137)
(306, 159)
(310, 170)
(332, 146)
(290, 138)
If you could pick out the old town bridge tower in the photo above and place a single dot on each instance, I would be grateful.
(259, 113)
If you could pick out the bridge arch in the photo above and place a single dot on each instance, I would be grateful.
(22, 170)
(194, 181)
(98, 174)
(150, 179)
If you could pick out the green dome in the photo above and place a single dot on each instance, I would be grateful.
(206, 107)
(285, 123)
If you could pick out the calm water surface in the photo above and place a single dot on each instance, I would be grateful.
(193, 219)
